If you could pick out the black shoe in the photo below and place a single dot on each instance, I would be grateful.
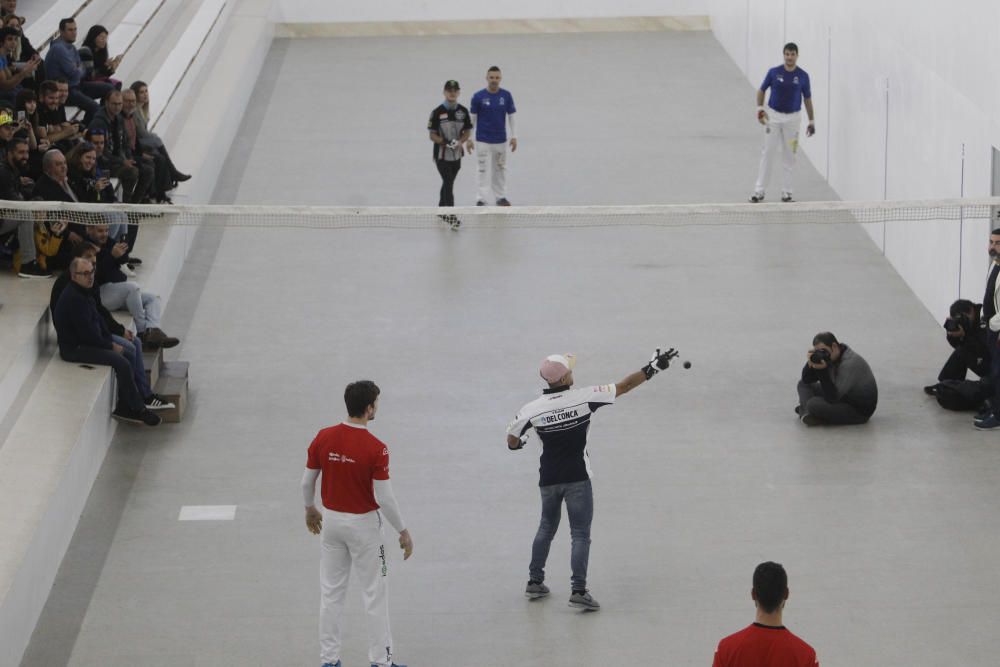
(757, 197)
(480, 203)
(931, 390)
(798, 410)
(134, 261)
(810, 420)
(33, 270)
(180, 178)
(452, 220)
(124, 414)
(786, 197)
(154, 338)
(503, 202)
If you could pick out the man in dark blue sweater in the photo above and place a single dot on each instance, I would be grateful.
(84, 338)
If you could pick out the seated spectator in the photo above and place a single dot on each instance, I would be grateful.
(54, 186)
(8, 7)
(52, 115)
(84, 338)
(837, 385)
(13, 187)
(63, 60)
(25, 52)
(131, 350)
(135, 174)
(163, 179)
(12, 76)
(26, 105)
(94, 54)
(92, 186)
(98, 138)
(118, 293)
(148, 138)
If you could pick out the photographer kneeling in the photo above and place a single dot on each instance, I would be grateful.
(837, 385)
(967, 334)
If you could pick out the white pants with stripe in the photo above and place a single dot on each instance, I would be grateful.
(781, 133)
(492, 158)
(353, 540)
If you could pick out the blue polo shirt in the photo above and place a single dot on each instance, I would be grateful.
(787, 88)
(491, 111)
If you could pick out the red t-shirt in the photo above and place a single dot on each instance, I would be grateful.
(764, 646)
(350, 458)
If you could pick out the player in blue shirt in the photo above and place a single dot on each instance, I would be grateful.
(789, 90)
(492, 109)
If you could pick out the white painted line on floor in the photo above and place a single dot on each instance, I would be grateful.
(207, 513)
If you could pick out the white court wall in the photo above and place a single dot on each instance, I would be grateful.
(902, 90)
(899, 88)
(338, 11)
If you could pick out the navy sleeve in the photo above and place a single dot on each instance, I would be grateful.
(474, 104)
(806, 90)
(510, 104)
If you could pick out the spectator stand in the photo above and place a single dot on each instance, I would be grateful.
(61, 432)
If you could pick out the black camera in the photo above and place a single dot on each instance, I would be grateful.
(955, 324)
(820, 355)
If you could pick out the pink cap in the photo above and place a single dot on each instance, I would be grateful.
(555, 366)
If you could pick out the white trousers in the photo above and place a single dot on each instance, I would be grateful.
(492, 158)
(782, 131)
(353, 539)
(143, 306)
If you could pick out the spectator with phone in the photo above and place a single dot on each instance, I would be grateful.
(11, 76)
(142, 143)
(118, 293)
(25, 52)
(52, 115)
(94, 54)
(136, 175)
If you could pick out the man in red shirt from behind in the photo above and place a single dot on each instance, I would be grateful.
(766, 643)
(356, 496)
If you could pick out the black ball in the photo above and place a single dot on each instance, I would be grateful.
(687, 364)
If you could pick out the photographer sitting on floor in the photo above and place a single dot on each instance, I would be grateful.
(837, 385)
(967, 334)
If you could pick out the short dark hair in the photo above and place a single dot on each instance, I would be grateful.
(9, 32)
(791, 46)
(84, 247)
(359, 395)
(493, 68)
(48, 87)
(769, 584)
(62, 79)
(65, 22)
(111, 93)
(826, 338)
(17, 140)
(995, 232)
(962, 306)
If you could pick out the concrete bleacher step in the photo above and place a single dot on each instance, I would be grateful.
(173, 386)
(153, 362)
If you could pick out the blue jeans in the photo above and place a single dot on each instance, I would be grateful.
(132, 351)
(579, 497)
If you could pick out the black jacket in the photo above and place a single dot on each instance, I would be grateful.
(48, 190)
(116, 150)
(109, 267)
(63, 281)
(77, 322)
(10, 182)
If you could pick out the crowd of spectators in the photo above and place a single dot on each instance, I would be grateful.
(70, 133)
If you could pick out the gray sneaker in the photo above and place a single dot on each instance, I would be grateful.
(584, 601)
(535, 590)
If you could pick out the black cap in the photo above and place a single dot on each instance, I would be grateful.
(451, 84)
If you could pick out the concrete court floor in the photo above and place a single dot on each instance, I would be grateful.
(888, 531)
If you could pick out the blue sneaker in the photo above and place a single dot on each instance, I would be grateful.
(331, 664)
(392, 665)
(989, 424)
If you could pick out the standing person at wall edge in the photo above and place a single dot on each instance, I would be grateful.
(492, 110)
(789, 86)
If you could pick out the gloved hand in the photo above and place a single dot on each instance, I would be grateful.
(660, 361)
(453, 144)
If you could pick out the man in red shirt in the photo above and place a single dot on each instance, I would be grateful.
(355, 469)
(766, 643)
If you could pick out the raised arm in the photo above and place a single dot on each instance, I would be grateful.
(659, 361)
